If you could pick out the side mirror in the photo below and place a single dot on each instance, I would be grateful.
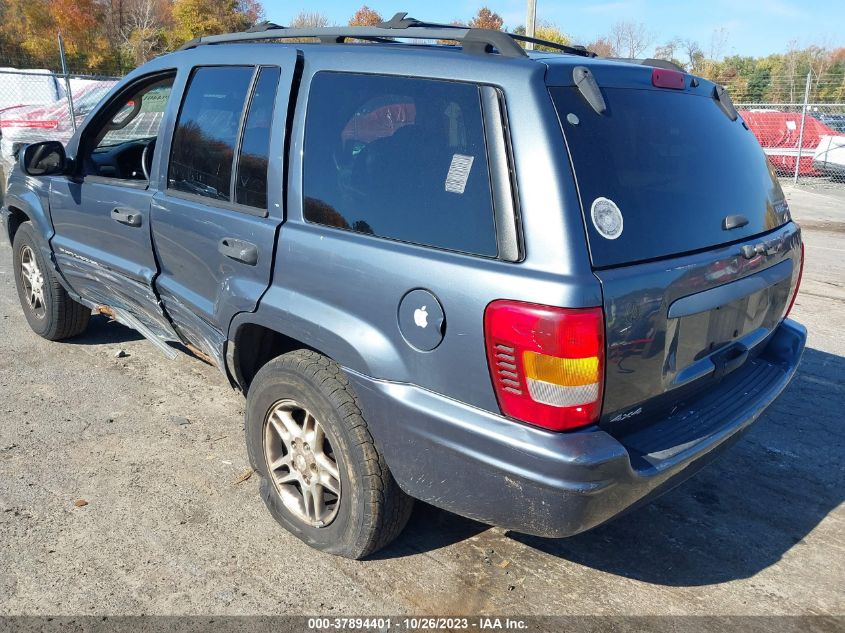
(46, 158)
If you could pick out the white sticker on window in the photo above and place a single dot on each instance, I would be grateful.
(607, 218)
(456, 179)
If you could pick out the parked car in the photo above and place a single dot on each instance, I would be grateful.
(28, 86)
(829, 157)
(384, 248)
(779, 134)
(22, 125)
(834, 121)
(22, 87)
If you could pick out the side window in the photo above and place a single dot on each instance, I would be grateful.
(251, 181)
(123, 145)
(207, 131)
(399, 158)
(140, 117)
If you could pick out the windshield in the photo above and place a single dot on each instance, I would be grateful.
(659, 172)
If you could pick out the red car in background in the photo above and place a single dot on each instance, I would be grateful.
(779, 133)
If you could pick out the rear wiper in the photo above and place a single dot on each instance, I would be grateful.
(722, 98)
(589, 88)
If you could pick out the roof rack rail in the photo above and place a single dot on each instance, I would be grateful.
(572, 49)
(399, 26)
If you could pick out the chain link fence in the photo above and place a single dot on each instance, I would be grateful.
(38, 104)
(805, 142)
(803, 134)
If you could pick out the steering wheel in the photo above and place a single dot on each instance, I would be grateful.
(147, 158)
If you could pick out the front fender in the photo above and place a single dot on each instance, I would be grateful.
(31, 196)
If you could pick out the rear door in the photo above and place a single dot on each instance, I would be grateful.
(215, 222)
(688, 231)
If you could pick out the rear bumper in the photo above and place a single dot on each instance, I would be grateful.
(487, 468)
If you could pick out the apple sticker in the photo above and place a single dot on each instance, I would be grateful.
(421, 317)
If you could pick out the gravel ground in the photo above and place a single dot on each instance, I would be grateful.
(155, 448)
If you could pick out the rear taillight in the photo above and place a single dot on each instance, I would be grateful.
(547, 364)
(797, 283)
(37, 125)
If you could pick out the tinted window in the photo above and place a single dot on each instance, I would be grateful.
(251, 182)
(399, 158)
(207, 131)
(673, 164)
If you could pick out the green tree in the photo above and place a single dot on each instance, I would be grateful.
(546, 31)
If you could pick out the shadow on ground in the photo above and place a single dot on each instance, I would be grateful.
(737, 517)
(104, 331)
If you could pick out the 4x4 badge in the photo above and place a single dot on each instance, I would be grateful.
(625, 416)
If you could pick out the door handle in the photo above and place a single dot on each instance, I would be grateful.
(128, 217)
(239, 250)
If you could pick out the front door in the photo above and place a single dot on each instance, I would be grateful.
(216, 217)
(101, 212)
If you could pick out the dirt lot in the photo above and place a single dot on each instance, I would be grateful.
(156, 449)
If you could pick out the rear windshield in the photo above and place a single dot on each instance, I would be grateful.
(659, 172)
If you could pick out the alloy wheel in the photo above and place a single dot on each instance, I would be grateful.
(301, 463)
(33, 282)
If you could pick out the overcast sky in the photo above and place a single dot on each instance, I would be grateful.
(753, 27)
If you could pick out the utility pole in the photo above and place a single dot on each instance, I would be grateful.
(801, 131)
(530, 22)
(71, 111)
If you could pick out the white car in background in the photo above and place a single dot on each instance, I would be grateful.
(20, 87)
(829, 157)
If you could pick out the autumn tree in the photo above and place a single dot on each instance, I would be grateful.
(30, 27)
(548, 31)
(143, 28)
(309, 20)
(486, 19)
(670, 51)
(603, 47)
(630, 39)
(195, 18)
(551, 33)
(365, 16)
(691, 53)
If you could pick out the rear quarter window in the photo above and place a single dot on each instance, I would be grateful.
(399, 158)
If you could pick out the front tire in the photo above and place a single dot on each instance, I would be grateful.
(322, 476)
(48, 308)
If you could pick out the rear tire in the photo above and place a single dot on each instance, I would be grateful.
(48, 308)
(302, 415)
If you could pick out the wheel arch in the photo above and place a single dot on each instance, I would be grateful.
(257, 337)
(251, 346)
(26, 205)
